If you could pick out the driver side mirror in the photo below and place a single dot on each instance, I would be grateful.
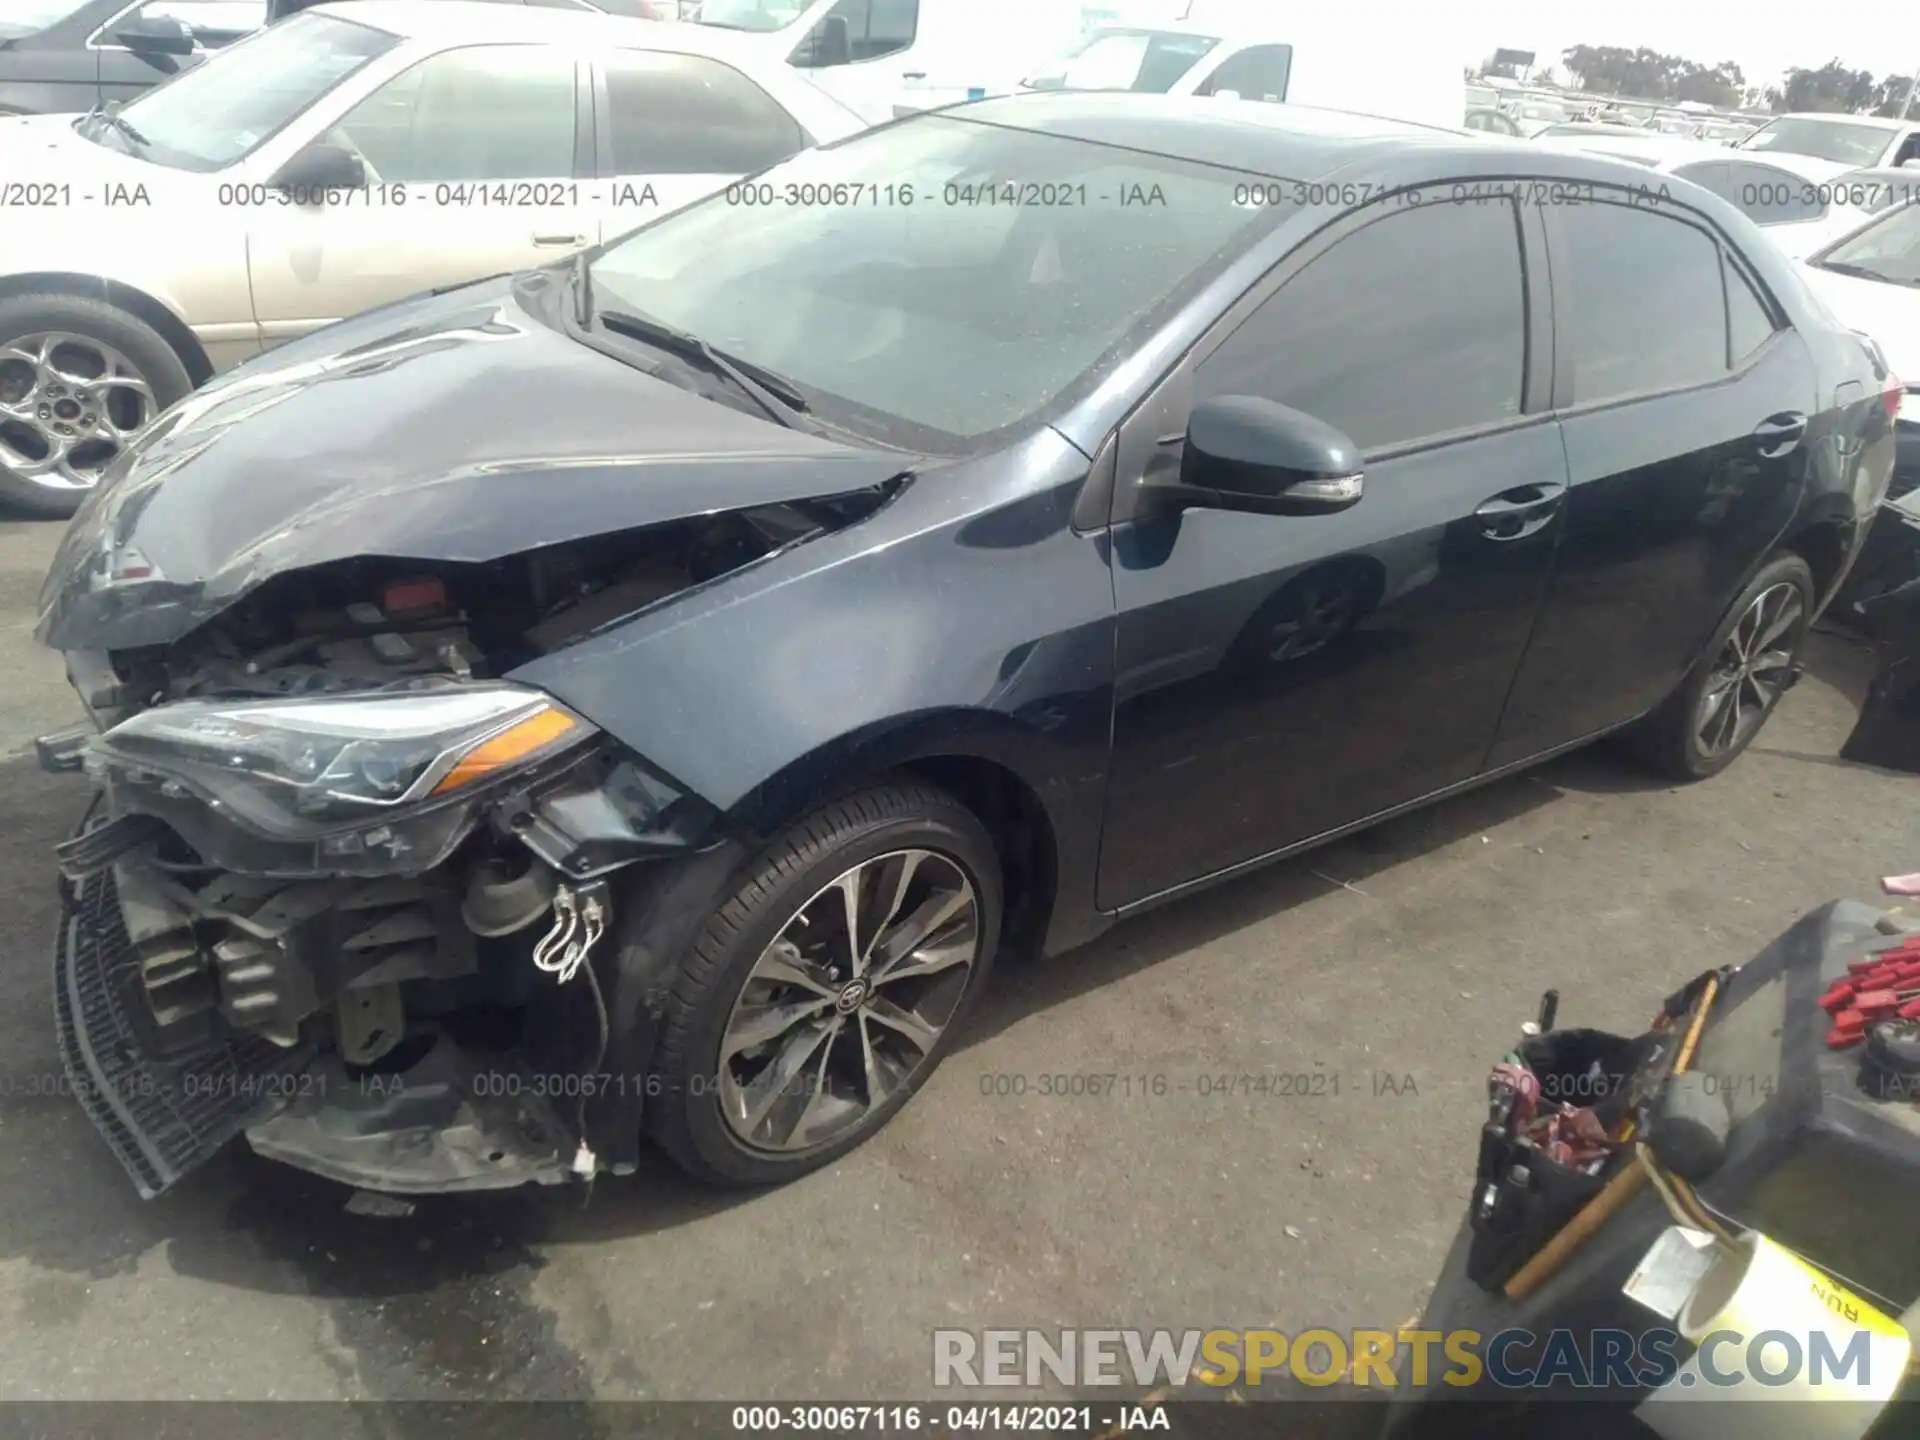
(320, 167)
(830, 44)
(154, 35)
(1253, 455)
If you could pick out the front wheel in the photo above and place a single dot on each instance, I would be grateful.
(1750, 663)
(824, 990)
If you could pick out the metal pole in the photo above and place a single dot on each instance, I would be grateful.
(1912, 85)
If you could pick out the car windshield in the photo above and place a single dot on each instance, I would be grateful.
(982, 273)
(209, 117)
(30, 17)
(1840, 141)
(1145, 61)
(750, 14)
(1887, 250)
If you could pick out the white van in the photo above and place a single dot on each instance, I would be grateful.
(1301, 57)
(876, 55)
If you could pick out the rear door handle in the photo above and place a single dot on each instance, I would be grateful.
(1781, 434)
(1522, 511)
(559, 240)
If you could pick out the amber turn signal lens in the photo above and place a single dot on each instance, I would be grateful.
(510, 746)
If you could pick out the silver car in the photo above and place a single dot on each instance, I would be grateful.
(348, 157)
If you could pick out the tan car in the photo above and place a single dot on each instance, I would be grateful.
(347, 157)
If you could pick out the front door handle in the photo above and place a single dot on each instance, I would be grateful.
(556, 240)
(1522, 511)
(1779, 435)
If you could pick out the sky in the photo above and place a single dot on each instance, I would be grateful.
(1764, 40)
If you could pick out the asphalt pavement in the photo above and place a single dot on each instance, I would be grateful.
(1396, 966)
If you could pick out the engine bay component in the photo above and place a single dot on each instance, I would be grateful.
(579, 920)
(501, 900)
(370, 1021)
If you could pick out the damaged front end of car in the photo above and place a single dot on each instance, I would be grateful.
(349, 889)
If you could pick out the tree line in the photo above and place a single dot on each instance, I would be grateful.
(1644, 74)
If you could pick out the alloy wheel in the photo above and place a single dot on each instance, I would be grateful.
(68, 406)
(1752, 671)
(848, 1001)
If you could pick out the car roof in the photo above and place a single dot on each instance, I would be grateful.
(1806, 167)
(1295, 142)
(481, 21)
(1876, 122)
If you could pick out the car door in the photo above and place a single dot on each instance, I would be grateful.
(1279, 678)
(474, 163)
(1684, 400)
(674, 128)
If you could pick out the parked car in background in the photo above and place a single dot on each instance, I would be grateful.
(68, 55)
(876, 55)
(333, 162)
(1878, 188)
(1796, 199)
(581, 648)
(61, 56)
(1491, 121)
(1315, 58)
(1870, 279)
(1533, 116)
(1855, 141)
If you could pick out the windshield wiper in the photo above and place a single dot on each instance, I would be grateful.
(1861, 272)
(774, 393)
(109, 115)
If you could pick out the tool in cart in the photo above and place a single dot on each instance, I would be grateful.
(1647, 1078)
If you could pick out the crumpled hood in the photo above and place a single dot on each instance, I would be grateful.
(456, 427)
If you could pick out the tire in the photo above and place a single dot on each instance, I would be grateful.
(697, 1086)
(1670, 739)
(121, 410)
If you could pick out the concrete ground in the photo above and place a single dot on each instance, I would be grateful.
(1411, 953)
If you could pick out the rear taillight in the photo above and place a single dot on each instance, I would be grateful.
(1894, 394)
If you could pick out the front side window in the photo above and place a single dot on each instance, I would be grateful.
(686, 115)
(872, 29)
(986, 272)
(1412, 327)
(210, 116)
(1888, 250)
(1649, 311)
(1143, 61)
(493, 112)
(1256, 73)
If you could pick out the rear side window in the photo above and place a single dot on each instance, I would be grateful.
(1392, 351)
(687, 115)
(1648, 309)
(1775, 197)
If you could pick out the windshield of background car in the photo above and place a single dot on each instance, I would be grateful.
(1834, 140)
(943, 279)
(1144, 61)
(1888, 249)
(751, 14)
(30, 17)
(208, 117)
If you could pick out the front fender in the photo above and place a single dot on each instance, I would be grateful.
(966, 619)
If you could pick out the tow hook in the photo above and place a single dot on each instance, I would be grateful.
(579, 920)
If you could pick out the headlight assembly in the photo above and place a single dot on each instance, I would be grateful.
(303, 766)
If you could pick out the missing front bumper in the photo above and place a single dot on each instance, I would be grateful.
(161, 1113)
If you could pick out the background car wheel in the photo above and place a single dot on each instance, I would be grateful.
(825, 989)
(1748, 666)
(79, 380)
